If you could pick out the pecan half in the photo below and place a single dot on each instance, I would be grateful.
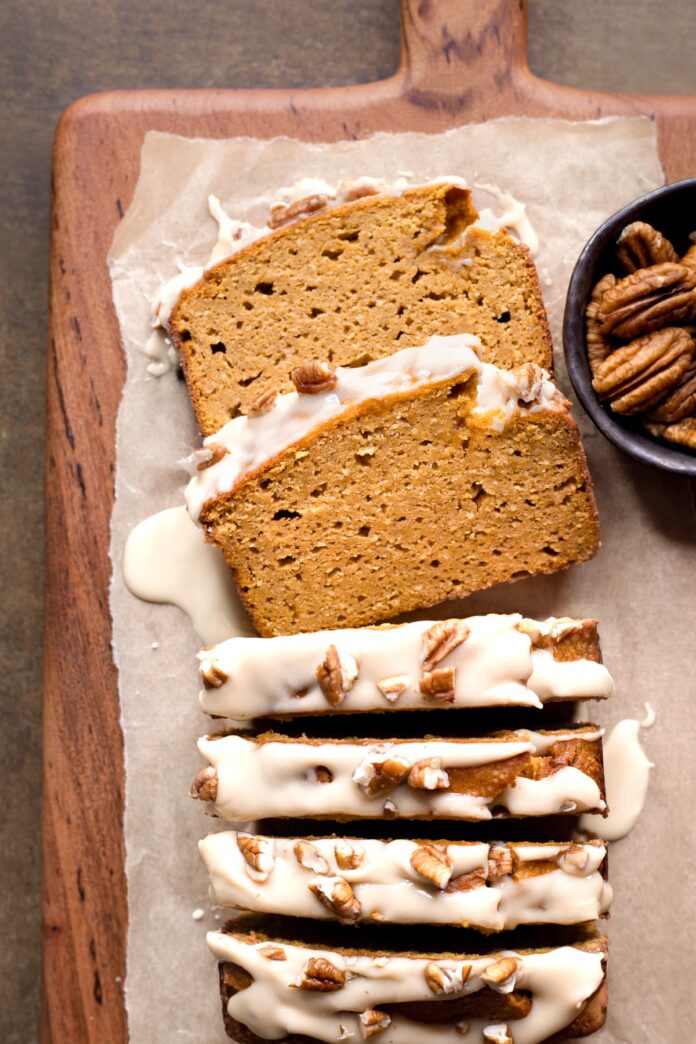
(336, 676)
(349, 855)
(281, 213)
(441, 639)
(310, 858)
(373, 1022)
(634, 378)
(379, 777)
(337, 896)
(681, 432)
(598, 347)
(446, 980)
(204, 786)
(313, 377)
(428, 775)
(264, 404)
(321, 975)
(640, 246)
(257, 853)
(392, 688)
(212, 675)
(649, 299)
(439, 684)
(501, 975)
(433, 863)
(681, 401)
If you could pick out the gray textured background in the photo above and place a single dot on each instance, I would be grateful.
(50, 54)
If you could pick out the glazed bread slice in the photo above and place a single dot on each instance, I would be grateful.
(487, 887)
(277, 989)
(353, 283)
(497, 661)
(377, 491)
(514, 773)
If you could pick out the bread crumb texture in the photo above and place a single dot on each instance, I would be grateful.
(401, 503)
(350, 285)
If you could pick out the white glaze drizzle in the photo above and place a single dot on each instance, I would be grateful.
(627, 775)
(273, 778)
(248, 442)
(272, 1006)
(388, 888)
(166, 559)
(495, 665)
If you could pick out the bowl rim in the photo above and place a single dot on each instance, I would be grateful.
(642, 447)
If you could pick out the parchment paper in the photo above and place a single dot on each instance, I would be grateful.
(640, 586)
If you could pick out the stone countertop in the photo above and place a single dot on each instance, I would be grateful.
(51, 54)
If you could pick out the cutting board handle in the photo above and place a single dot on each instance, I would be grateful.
(455, 48)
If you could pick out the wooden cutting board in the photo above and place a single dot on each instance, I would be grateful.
(463, 61)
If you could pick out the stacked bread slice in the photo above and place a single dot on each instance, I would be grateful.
(370, 373)
(356, 886)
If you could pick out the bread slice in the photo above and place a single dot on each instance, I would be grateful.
(283, 990)
(487, 887)
(514, 773)
(353, 283)
(497, 661)
(376, 491)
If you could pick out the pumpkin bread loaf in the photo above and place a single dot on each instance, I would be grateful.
(391, 487)
(498, 661)
(352, 283)
(506, 774)
(276, 988)
(471, 884)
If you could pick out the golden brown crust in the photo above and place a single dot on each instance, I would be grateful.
(446, 506)
(386, 273)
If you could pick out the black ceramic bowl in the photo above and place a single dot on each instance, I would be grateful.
(671, 210)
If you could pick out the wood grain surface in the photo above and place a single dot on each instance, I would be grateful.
(462, 61)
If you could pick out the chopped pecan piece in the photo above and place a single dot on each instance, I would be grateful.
(498, 1034)
(682, 432)
(433, 863)
(336, 676)
(634, 378)
(273, 953)
(337, 896)
(598, 347)
(359, 191)
(264, 404)
(648, 300)
(428, 775)
(313, 377)
(349, 854)
(392, 688)
(446, 980)
(373, 1022)
(501, 975)
(640, 246)
(681, 401)
(321, 975)
(441, 639)
(212, 675)
(500, 862)
(308, 857)
(467, 882)
(209, 455)
(439, 684)
(575, 857)
(379, 777)
(281, 213)
(258, 854)
(204, 786)
(530, 378)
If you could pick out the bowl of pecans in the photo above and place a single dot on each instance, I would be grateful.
(629, 329)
